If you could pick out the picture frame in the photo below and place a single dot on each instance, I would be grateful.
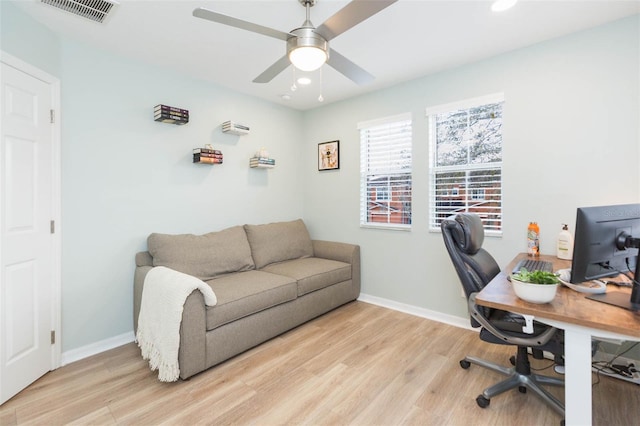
(329, 155)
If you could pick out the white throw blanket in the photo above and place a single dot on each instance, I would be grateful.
(158, 336)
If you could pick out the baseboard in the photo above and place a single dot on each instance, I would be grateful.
(417, 311)
(95, 348)
(113, 342)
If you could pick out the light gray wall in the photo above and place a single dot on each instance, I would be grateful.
(24, 38)
(125, 176)
(571, 138)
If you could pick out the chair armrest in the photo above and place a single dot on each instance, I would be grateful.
(533, 341)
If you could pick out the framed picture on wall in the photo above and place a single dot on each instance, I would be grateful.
(329, 155)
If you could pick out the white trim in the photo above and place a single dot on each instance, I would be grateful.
(54, 83)
(417, 311)
(493, 98)
(95, 348)
(384, 120)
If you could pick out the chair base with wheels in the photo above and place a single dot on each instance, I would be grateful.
(519, 376)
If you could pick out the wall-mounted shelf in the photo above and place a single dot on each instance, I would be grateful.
(207, 156)
(262, 163)
(235, 128)
(171, 115)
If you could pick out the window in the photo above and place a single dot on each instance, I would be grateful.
(385, 172)
(466, 161)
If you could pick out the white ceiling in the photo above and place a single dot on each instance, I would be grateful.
(410, 38)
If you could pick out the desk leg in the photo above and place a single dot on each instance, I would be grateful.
(577, 350)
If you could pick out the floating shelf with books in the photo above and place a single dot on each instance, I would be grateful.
(171, 115)
(262, 163)
(207, 156)
(235, 128)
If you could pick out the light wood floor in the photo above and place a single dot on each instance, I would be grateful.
(360, 365)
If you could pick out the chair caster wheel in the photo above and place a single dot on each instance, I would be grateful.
(482, 401)
(522, 389)
(465, 364)
(512, 360)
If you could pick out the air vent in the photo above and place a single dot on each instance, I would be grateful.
(95, 10)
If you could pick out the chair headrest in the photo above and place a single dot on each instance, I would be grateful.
(469, 235)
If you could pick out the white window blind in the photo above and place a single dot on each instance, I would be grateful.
(466, 161)
(385, 172)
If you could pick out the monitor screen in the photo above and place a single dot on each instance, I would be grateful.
(606, 242)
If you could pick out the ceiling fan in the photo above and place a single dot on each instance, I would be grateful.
(308, 47)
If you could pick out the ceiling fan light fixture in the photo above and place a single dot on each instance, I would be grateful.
(502, 5)
(306, 50)
(308, 58)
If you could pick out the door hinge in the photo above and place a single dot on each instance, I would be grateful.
(52, 116)
(53, 337)
(53, 226)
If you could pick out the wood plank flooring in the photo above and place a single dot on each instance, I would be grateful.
(358, 365)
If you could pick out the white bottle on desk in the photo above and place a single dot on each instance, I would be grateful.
(565, 244)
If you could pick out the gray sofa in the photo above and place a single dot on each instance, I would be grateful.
(267, 278)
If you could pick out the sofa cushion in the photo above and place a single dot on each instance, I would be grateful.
(203, 256)
(275, 242)
(244, 293)
(312, 273)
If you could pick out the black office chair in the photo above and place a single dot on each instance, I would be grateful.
(463, 236)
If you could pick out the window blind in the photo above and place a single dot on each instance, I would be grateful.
(466, 163)
(385, 172)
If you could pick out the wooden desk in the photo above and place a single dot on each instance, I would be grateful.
(580, 318)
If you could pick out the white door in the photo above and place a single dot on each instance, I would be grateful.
(28, 256)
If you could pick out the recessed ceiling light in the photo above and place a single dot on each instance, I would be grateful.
(304, 81)
(502, 5)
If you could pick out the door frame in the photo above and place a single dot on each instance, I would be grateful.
(56, 291)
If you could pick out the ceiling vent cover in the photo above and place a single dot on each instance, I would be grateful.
(95, 10)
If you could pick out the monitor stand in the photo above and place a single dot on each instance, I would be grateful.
(616, 298)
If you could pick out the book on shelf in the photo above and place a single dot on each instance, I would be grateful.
(170, 110)
(235, 128)
(168, 114)
(206, 151)
(209, 160)
(262, 160)
(170, 119)
(206, 154)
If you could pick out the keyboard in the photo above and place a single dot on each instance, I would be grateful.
(533, 265)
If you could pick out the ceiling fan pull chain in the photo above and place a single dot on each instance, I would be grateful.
(293, 86)
(320, 98)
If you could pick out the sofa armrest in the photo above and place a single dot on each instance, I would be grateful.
(192, 353)
(138, 284)
(144, 258)
(343, 252)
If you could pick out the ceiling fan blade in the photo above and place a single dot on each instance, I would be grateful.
(275, 69)
(350, 16)
(210, 15)
(349, 69)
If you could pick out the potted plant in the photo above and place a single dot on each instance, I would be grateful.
(535, 286)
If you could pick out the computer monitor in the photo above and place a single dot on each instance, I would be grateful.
(606, 244)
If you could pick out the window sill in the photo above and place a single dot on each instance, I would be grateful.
(390, 227)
